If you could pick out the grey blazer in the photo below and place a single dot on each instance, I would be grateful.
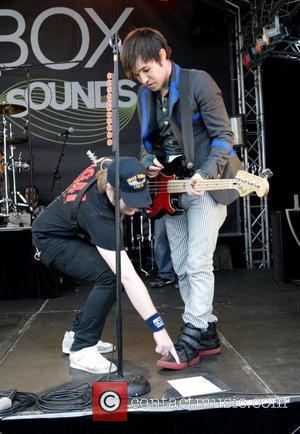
(213, 138)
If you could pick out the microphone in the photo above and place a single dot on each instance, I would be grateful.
(70, 130)
(115, 41)
(6, 401)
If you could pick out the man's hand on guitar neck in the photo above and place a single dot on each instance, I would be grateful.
(154, 169)
(190, 185)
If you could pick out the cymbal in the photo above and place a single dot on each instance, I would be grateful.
(14, 141)
(11, 109)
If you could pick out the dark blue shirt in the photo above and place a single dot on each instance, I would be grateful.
(168, 143)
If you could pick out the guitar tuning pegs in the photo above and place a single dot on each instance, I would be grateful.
(253, 168)
(266, 173)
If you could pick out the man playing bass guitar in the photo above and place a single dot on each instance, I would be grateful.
(146, 57)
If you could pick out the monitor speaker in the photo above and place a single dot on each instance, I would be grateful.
(285, 249)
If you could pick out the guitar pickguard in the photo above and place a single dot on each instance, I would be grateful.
(163, 202)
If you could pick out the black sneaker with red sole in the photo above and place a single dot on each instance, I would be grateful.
(192, 344)
(210, 343)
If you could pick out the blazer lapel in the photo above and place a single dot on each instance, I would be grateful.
(149, 124)
(174, 87)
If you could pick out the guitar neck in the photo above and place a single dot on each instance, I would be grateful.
(178, 185)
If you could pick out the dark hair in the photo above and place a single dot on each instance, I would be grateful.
(143, 42)
(31, 187)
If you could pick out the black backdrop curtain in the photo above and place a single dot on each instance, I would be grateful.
(74, 94)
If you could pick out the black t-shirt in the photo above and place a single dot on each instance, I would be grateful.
(95, 217)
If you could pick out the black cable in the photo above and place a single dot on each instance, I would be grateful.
(20, 402)
(66, 400)
(80, 398)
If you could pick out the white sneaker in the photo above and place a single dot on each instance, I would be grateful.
(102, 347)
(89, 359)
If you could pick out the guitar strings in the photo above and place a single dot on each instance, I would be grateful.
(169, 187)
(222, 181)
(180, 190)
(215, 184)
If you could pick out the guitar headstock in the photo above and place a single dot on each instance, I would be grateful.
(247, 183)
(92, 156)
(101, 163)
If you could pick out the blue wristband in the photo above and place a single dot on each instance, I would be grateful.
(155, 322)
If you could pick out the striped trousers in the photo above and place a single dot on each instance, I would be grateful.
(193, 237)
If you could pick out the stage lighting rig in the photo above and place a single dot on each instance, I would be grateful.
(266, 39)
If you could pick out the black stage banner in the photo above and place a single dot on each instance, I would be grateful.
(61, 51)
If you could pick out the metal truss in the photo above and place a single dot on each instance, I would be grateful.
(288, 49)
(251, 20)
(256, 210)
(256, 216)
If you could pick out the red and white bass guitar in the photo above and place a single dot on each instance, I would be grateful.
(165, 190)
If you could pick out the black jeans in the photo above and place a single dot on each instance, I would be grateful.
(82, 261)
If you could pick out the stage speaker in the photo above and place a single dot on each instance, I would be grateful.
(21, 276)
(286, 251)
(233, 224)
(16, 277)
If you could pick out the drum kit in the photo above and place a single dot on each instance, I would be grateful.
(139, 240)
(10, 164)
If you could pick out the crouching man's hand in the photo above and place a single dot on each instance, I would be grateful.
(164, 344)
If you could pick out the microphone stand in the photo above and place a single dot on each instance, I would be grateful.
(56, 174)
(137, 385)
(31, 166)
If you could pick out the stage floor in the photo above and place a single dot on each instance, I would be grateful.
(259, 327)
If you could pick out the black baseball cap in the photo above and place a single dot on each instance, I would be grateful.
(133, 182)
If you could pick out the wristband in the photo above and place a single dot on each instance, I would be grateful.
(155, 322)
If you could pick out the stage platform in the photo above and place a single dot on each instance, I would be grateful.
(259, 327)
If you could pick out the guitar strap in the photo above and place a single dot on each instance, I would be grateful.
(77, 201)
(186, 119)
